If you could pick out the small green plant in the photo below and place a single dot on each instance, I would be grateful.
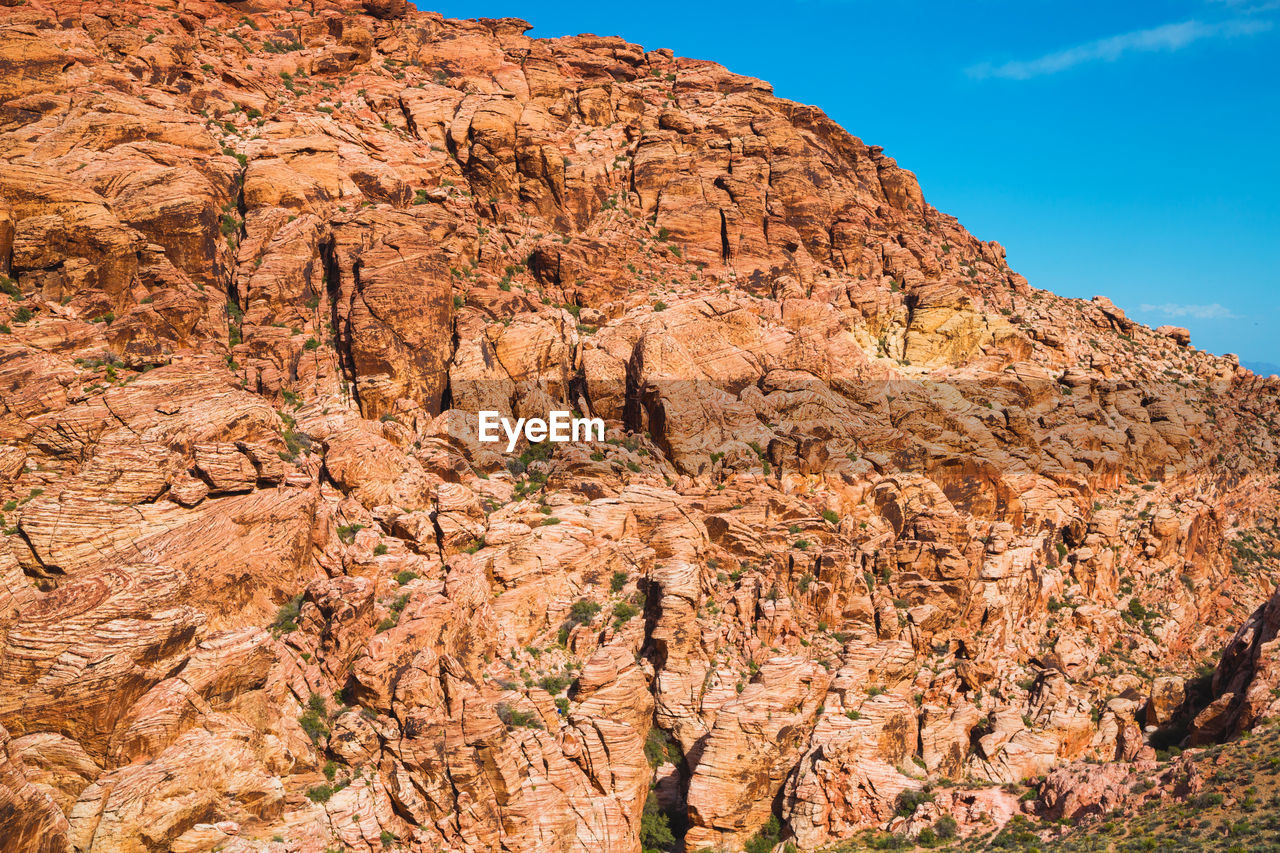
(910, 800)
(660, 748)
(766, 839)
(623, 612)
(313, 724)
(655, 828)
(393, 619)
(514, 718)
(323, 793)
(287, 616)
(347, 532)
(554, 684)
(583, 611)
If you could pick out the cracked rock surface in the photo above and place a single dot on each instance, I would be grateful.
(874, 513)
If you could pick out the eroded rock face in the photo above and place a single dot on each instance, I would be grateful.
(1245, 681)
(874, 512)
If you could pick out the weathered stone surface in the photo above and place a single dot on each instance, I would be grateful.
(873, 512)
(30, 820)
(1245, 681)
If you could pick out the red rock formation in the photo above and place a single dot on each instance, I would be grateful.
(874, 512)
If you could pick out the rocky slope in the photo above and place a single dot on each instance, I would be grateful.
(874, 515)
(1218, 798)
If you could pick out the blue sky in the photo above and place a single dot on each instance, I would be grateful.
(1130, 149)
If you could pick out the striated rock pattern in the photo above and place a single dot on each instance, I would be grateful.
(874, 514)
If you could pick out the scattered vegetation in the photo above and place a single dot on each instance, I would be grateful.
(514, 718)
(287, 616)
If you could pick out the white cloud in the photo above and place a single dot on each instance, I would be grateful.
(1197, 312)
(1168, 38)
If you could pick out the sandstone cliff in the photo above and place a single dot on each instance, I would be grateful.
(875, 514)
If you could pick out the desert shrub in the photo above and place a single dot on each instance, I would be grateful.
(946, 827)
(515, 718)
(766, 839)
(583, 611)
(554, 684)
(911, 799)
(623, 611)
(659, 748)
(320, 793)
(287, 616)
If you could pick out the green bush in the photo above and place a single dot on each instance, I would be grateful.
(287, 616)
(313, 724)
(583, 611)
(515, 718)
(1207, 800)
(320, 793)
(659, 748)
(655, 829)
(623, 611)
(1016, 835)
(393, 619)
(554, 684)
(910, 800)
(766, 839)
